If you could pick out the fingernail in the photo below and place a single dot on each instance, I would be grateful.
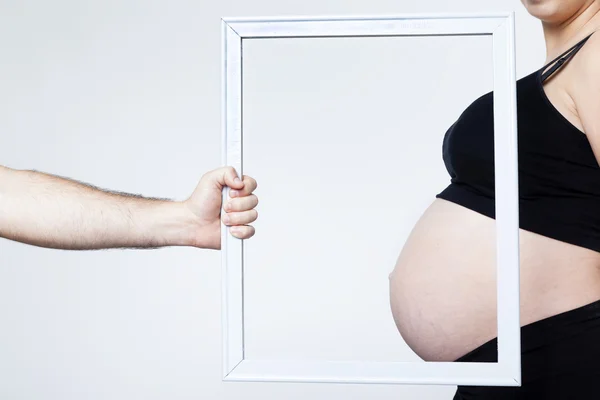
(233, 193)
(237, 180)
(226, 218)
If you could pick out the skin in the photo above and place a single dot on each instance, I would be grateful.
(45, 210)
(577, 92)
(443, 286)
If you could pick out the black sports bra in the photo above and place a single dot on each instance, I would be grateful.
(559, 176)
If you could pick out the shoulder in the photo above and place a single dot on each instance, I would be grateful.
(588, 66)
(585, 90)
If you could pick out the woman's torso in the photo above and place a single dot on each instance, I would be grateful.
(443, 289)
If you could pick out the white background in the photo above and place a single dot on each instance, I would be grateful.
(343, 135)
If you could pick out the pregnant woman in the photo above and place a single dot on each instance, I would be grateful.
(443, 287)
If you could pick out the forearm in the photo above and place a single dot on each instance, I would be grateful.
(50, 211)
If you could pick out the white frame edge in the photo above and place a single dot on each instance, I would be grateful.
(507, 371)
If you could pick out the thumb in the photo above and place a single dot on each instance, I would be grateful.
(226, 176)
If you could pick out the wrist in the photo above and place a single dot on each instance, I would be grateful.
(198, 232)
(166, 223)
(185, 228)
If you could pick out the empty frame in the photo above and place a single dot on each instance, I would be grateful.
(507, 371)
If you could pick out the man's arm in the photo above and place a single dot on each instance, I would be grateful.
(50, 211)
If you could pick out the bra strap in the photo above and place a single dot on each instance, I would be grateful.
(564, 57)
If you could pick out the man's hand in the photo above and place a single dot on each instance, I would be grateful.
(205, 204)
(51, 211)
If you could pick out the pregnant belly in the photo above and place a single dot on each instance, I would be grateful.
(443, 288)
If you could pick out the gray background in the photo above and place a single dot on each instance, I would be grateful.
(340, 132)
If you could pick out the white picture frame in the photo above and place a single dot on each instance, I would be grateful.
(507, 371)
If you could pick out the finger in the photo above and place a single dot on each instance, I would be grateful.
(250, 186)
(241, 203)
(242, 232)
(226, 176)
(240, 218)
